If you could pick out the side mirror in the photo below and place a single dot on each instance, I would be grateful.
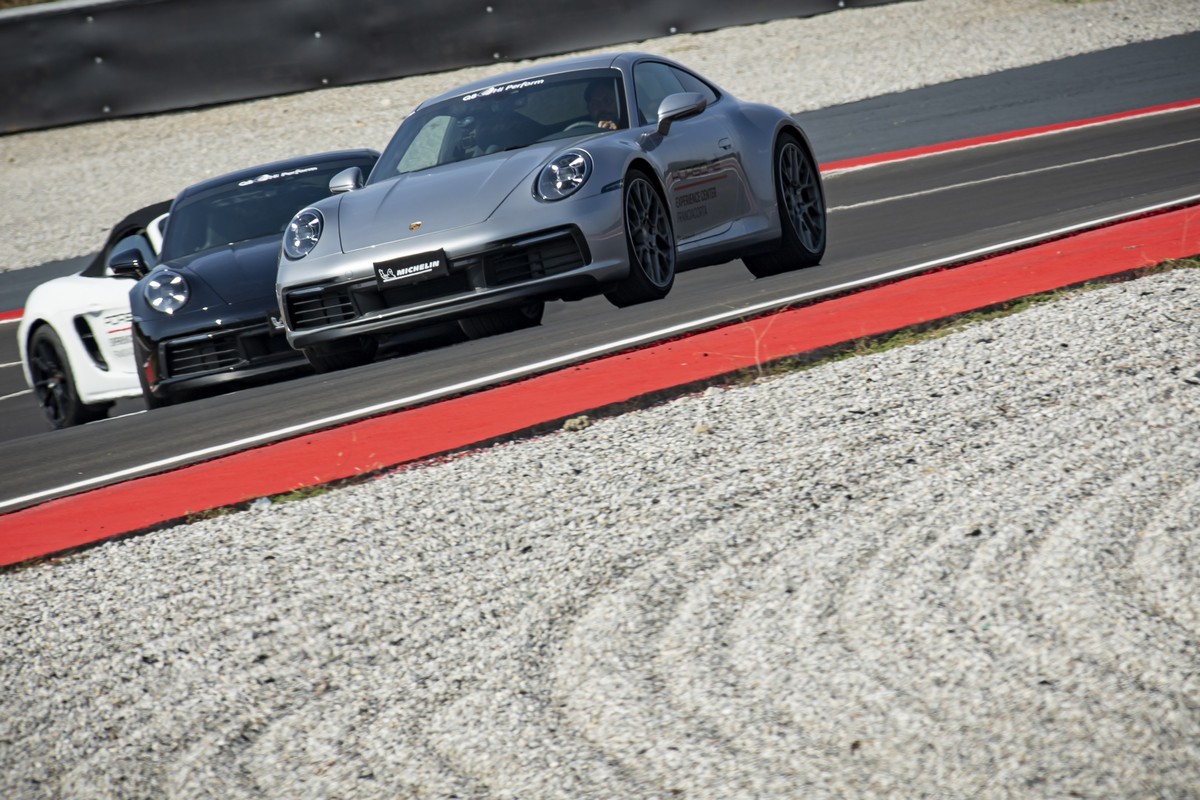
(129, 264)
(675, 107)
(347, 180)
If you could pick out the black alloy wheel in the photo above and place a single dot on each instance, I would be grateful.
(54, 383)
(651, 243)
(801, 205)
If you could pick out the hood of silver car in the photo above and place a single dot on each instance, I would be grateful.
(434, 200)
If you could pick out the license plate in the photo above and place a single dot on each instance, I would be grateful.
(412, 269)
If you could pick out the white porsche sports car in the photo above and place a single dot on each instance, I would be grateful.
(75, 334)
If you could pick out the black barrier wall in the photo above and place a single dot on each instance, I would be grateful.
(73, 61)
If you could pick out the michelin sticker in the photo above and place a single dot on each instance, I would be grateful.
(400, 273)
(412, 269)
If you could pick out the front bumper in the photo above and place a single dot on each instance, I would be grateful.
(542, 264)
(210, 358)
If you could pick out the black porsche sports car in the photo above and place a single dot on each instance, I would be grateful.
(207, 314)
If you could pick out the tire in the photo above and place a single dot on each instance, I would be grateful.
(344, 354)
(801, 204)
(650, 240)
(503, 320)
(54, 383)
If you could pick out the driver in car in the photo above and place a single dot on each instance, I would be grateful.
(601, 101)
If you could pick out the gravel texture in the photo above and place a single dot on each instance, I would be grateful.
(965, 568)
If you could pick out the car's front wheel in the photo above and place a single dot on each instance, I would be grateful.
(503, 320)
(651, 243)
(54, 383)
(342, 354)
(801, 212)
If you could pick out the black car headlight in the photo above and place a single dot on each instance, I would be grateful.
(303, 233)
(564, 176)
(166, 291)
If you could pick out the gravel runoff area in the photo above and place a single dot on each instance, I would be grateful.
(965, 568)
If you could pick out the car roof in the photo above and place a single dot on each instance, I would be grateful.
(278, 166)
(623, 61)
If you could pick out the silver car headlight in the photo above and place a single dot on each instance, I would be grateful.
(303, 233)
(564, 176)
(166, 291)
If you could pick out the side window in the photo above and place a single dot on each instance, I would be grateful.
(691, 83)
(135, 242)
(652, 82)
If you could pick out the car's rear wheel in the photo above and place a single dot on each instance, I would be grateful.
(54, 383)
(342, 354)
(651, 243)
(801, 212)
(503, 320)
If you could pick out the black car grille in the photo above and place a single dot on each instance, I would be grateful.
(224, 350)
(312, 308)
(526, 260)
(503, 264)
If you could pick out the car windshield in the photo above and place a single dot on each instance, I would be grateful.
(247, 209)
(506, 116)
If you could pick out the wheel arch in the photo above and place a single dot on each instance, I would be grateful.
(788, 126)
(643, 165)
(647, 168)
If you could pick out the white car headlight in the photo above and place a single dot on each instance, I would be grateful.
(303, 233)
(166, 291)
(563, 176)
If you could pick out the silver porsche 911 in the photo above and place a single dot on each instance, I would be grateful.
(603, 174)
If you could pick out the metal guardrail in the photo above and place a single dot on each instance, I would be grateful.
(83, 60)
